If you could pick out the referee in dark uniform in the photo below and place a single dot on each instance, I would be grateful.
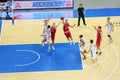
(81, 15)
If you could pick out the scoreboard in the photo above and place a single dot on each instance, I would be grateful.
(43, 4)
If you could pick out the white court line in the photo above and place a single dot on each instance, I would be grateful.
(81, 57)
(117, 64)
(106, 57)
(31, 62)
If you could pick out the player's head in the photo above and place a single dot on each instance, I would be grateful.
(66, 20)
(46, 21)
(48, 27)
(108, 18)
(81, 5)
(91, 41)
(53, 23)
(80, 36)
(99, 27)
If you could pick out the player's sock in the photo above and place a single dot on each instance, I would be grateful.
(48, 49)
(111, 40)
(100, 52)
(70, 42)
(95, 65)
(84, 58)
(53, 48)
(42, 45)
(97, 52)
(73, 43)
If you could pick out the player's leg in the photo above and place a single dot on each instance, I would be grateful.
(85, 51)
(93, 60)
(53, 40)
(79, 17)
(93, 57)
(95, 64)
(99, 50)
(110, 38)
(98, 42)
(71, 38)
(43, 41)
(83, 20)
(84, 56)
(48, 42)
(67, 36)
(48, 46)
(82, 48)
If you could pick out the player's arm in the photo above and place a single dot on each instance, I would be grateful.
(47, 32)
(82, 43)
(50, 18)
(89, 49)
(58, 24)
(104, 25)
(77, 12)
(43, 20)
(95, 27)
(112, 26)
(63, 22)
(101, 35)
(72, 25)
(84, 10)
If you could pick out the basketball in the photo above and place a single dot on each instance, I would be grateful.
(61, 18)
(15, 17)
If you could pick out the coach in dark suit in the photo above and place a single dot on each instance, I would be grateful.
(81, 12)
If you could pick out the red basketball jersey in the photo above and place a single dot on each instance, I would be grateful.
(53, 30)
(99, 33)
(66, 27)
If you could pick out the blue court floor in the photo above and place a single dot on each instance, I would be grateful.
(32, 58)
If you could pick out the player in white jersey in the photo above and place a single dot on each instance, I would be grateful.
(82, 47)
(46, 37)
(46, 33)
(110, 27)
(93, 53)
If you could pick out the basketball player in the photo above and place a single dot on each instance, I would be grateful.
(99, 38)
(110, 27)
(53, 32)
(82, 46)
(46, 33)
(67, 32)
(46, 38)
(93, 53)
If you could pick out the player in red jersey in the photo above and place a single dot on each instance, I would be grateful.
(53, 31)
(99, 38)
(66, 30)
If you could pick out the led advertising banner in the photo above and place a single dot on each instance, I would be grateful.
(43, 4)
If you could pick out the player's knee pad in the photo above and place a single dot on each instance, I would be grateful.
(109, 36)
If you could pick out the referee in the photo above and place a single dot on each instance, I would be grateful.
(81, 14)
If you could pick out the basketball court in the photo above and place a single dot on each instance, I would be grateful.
(22, 57)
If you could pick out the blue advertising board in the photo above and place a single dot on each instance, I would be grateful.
(43, 4)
